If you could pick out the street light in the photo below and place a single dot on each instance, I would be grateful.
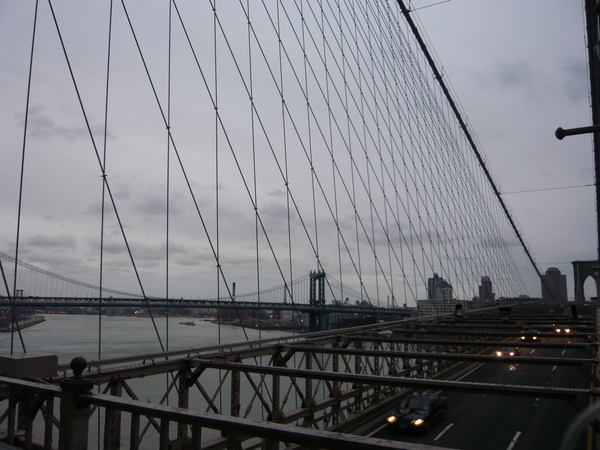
(560, 133)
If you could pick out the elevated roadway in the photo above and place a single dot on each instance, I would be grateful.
(339, 385)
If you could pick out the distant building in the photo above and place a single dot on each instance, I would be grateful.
(443, 291)
(486, 291)
(438, 288)
(554, 285)
(432, 284)
(437, 307)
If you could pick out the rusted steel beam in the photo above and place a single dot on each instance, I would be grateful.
(457, 343)
(173, 365)
(183, 399)
(451, 331)
(413, 383)
(266, 430)
(112, 421)
(576, 362)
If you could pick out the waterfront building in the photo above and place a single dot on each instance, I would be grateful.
(554, 285)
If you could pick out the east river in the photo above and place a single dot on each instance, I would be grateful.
(67, 336)
(94, 337)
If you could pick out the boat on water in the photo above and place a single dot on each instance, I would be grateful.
(191, 323)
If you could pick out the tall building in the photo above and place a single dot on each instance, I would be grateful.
(486, 291)
(438, 288)
(432, 284)
(554, 285)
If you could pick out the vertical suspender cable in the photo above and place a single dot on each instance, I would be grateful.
(168, 174)
(103, 202)
(14, 321)
(463, 125)
(253, 138)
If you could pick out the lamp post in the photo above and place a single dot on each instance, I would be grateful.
(592, 9)
(560, 133)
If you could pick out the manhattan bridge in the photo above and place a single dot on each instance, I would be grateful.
(233, 153)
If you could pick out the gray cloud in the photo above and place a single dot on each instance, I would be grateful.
(43, 126)
(61, 242)
(575, 71)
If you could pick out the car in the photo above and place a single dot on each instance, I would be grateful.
(508, 351)
(418, 412)
(531, 336)
(560, 329)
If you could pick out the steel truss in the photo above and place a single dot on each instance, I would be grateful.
(302, 390)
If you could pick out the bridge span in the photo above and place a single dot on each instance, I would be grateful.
(184, 147)
(318, 390)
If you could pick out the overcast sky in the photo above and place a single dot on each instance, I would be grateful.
(518, 69)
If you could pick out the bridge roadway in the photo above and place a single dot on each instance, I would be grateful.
(333, 389)
(499, 422)
(85, 302)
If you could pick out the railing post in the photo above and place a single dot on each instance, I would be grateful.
(276, 414)
(336, 391)
(183, 401)
(309, 396)
(235, 393)
(48, 422)
(112, 420)
(74, 412)
(358, 370)
(12, 416)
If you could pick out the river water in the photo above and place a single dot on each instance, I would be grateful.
(68, 335)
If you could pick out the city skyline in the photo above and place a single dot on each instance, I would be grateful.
(513, 97)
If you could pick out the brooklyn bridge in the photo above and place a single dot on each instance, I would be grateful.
(238, 224)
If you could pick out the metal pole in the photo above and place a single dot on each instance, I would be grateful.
(591, 9)
(560, 133)
(593, 46)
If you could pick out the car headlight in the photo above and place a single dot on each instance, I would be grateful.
(512, 353)
(498, 353)
(418, 422)
(567, 330)
(391, 419)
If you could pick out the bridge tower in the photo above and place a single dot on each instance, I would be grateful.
(316, 320)
(581, 271)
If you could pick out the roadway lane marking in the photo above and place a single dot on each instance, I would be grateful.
(376, 430)
(443, 431)
(514, 441)
(469, 373)
(563, 353)
(553, 369)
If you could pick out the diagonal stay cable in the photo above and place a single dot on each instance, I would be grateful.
(463, 125)
(12, 309)
(279, 165)
(102, 169)
(176, 150)
(245, 182)
(14, 318)
(307, 154)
